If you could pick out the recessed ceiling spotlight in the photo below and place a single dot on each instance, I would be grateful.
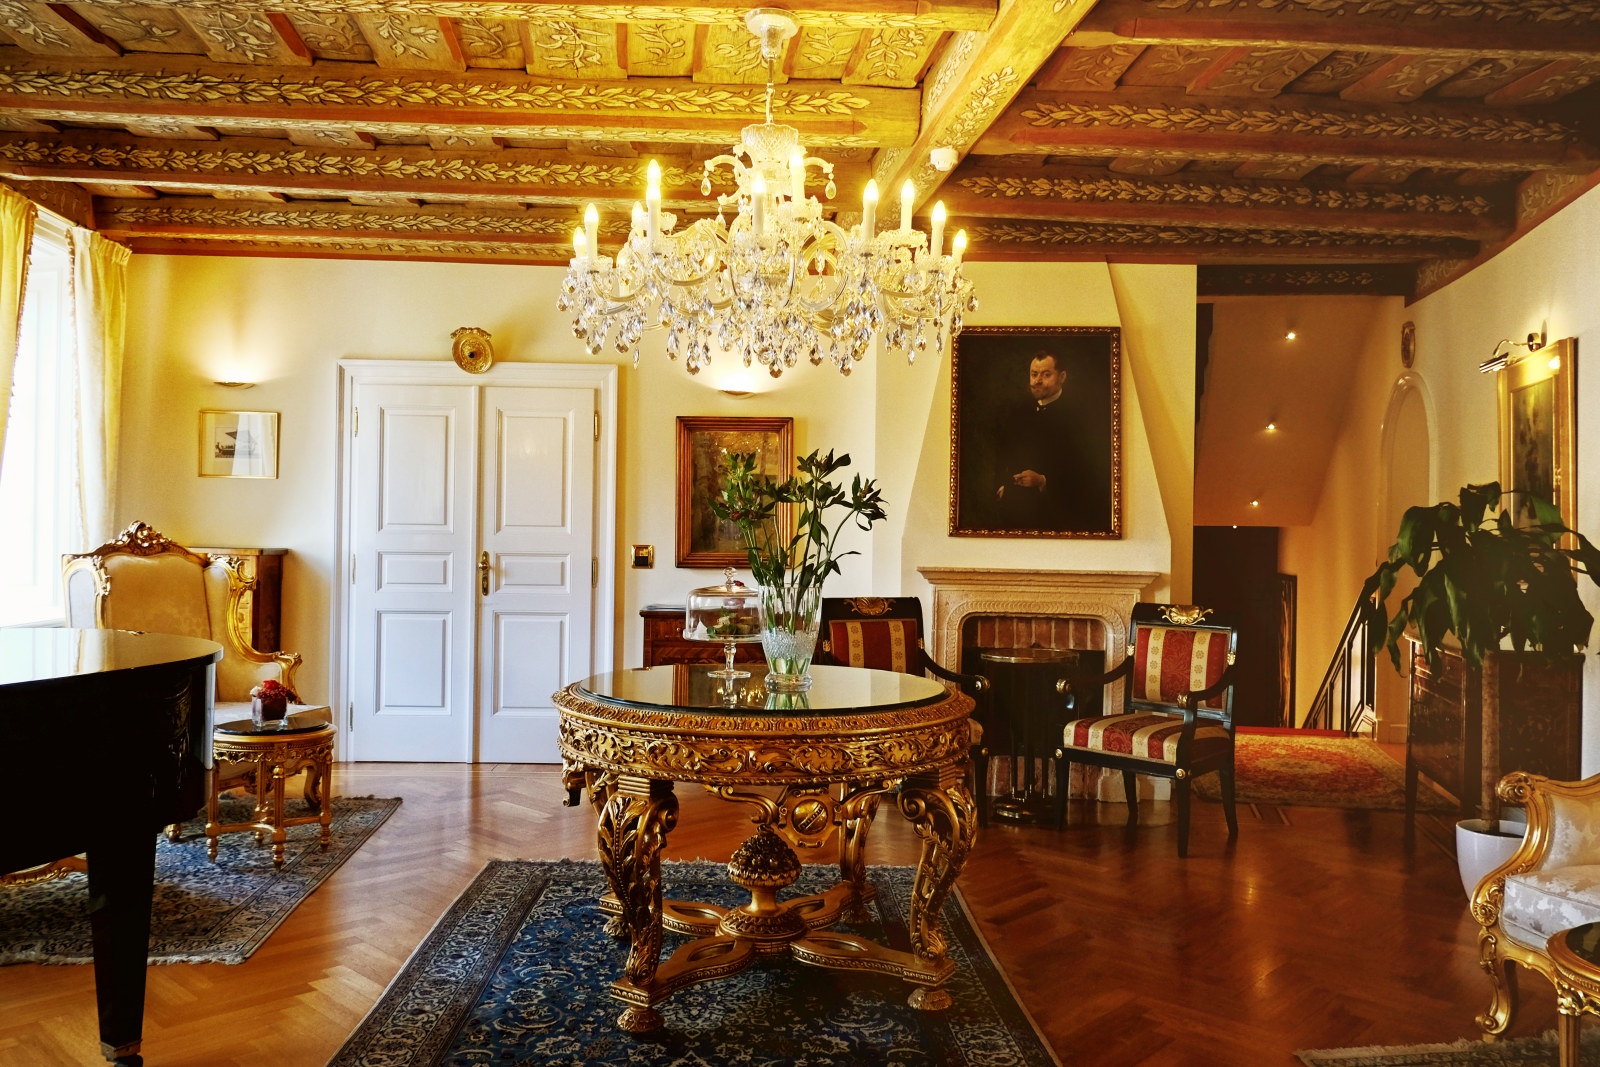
(1255, 503)
(1290, 336)
(1271, 426)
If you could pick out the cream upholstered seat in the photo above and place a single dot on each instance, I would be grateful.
(1550, 884)
(144, 581)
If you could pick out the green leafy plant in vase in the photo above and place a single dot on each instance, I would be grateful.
(1483, 582)
(789, 568)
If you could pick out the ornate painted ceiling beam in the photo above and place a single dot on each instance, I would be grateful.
(1475, 28)
(977, 76)
(1288, 128)
(1033, 239)
(260, 164)
(338, 246)
(216, 221)
(855, 14)
(205, 93)
(1092, 195)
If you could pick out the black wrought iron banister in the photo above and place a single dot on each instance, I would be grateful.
(1344, 700)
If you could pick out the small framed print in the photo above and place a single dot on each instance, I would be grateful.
(238, 444)
(703, 445)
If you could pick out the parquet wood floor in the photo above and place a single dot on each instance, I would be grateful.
(1314, 929)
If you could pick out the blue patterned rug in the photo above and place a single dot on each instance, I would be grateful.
(203, 912)
(518, 972)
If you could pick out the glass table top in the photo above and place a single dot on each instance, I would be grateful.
(690, 686)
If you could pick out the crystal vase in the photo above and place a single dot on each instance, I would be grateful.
(789, 619)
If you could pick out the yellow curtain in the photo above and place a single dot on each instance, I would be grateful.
(100, 311)
(16, 240)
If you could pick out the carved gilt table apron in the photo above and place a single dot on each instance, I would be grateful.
(825, 758)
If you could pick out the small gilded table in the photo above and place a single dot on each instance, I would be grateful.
(1575, 957)
(827, 756)
(262, 759)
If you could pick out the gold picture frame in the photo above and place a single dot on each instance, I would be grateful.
(703, 541)
(1538, 450)
(238, 444)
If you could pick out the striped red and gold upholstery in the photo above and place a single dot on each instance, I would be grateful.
(879, 644)
(1170, 661)
(1147, 736)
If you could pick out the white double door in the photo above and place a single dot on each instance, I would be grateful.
(474, 513)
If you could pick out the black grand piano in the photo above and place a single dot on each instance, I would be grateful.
(129, 713)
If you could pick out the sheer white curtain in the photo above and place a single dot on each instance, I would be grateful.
(17, 214)
(100, 309)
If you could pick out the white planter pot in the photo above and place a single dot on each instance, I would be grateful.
(1478, 851)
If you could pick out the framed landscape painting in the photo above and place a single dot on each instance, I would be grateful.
(1036, 432)
(704, 442)
(1537, 455)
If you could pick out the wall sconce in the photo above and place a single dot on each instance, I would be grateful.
(235, 385)
(1503, 355)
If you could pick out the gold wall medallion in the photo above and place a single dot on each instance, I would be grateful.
(472, 350)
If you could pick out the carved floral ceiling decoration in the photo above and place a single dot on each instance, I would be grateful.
(1318, 145)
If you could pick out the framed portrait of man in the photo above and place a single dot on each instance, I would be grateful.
(1036, 432)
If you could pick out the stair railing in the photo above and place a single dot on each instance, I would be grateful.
(1344, 700)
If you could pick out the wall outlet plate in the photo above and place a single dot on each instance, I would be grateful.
(644, 555)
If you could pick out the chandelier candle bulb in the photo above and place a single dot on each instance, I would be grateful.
(908, 193)
(579, 256)
(591, 228)
(869, 209)
(758, 204)
(936, 237)
(958, 245)
(652, 202)
(797, 179)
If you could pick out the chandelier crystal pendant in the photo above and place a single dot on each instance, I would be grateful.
(778, 283)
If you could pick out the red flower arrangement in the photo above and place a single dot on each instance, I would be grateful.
(269, 702)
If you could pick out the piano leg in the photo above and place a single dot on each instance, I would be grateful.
(121, 885)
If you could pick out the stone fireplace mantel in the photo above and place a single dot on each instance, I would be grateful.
(959, 592)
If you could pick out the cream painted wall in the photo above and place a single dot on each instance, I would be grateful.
(1546, 281)
(1158, 364)
(1334, 553)
(286, 323)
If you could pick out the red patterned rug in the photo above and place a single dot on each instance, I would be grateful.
(1319, 772)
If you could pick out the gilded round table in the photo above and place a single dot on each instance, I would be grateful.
(825, 758)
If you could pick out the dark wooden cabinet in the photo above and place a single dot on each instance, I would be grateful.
(1450, 740)
(263, 605)
(664, 641)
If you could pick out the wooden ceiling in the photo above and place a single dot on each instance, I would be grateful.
(1374, 145)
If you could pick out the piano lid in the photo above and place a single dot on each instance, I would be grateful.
(39, 654)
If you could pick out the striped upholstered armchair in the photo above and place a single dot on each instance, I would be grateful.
(1177, 716)
(885, 633)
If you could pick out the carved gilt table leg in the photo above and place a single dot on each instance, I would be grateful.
(942, 810)
(634, 825)
(857, 820)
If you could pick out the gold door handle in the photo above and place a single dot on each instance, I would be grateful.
(483, 573)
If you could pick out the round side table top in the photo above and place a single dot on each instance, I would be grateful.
(1576, 955)
(295, 724)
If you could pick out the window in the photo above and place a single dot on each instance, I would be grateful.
(36, 476)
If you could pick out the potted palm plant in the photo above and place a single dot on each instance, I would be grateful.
(1504, 599)
(789, 567)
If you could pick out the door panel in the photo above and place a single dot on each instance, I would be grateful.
(413, 489)
(538, 528)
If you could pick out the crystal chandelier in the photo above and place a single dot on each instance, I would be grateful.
(779, 282)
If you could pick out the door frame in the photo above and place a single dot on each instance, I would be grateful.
(602, 378)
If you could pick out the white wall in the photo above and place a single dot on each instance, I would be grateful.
(286, 323)
(1547, 281)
